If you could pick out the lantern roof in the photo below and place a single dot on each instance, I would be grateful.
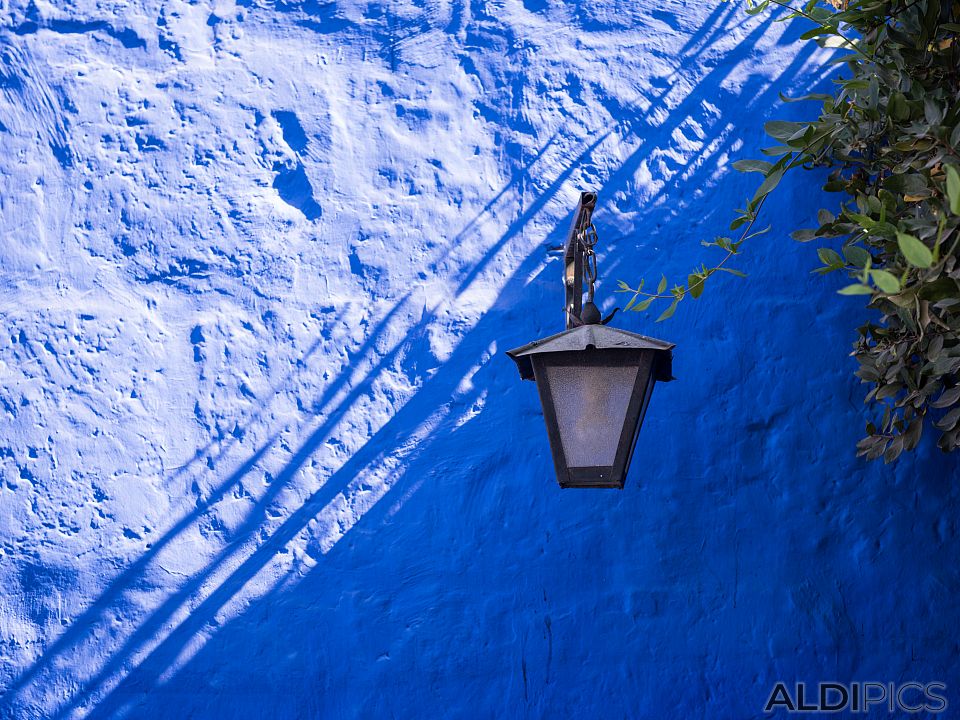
(598, 337)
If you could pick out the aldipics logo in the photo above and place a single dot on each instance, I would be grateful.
(858, 697)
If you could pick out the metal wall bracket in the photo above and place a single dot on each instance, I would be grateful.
(573, 257)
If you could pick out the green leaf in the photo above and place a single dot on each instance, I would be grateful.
(893, 450)
(889, 391)
(731, 271)
(835, 41)
(897, 107)
(769, 183)
(695, 285)
(913, 434)
(642, 305)
(953, 188)
(864, 221)
(856, 255)
(907, 299)
(663, 285)
(886, 281)
(761, 166)
(916, 253)
(811, 96)
(776, 151)
(622, 285)
(906, 184)
(853, 83)
(932, 112)
(856, 289)
(668, 313)
(940, 289)
(949, 420)
(884, 230)
(873, 93)
(830, 258)
(815, 32)
(783, 130)
(949, 397)
(803, 235)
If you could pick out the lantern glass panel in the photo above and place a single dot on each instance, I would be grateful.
(591, 403)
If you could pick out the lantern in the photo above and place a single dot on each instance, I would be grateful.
(594, 381)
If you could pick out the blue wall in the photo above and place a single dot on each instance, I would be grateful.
(401, 548)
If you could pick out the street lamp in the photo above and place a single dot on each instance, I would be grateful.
(594, 381)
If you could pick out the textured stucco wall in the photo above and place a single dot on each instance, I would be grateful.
(261, 453)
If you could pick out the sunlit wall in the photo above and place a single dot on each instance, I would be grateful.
(262, 454)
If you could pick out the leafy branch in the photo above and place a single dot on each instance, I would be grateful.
(827, 22)
(746, 218)
(698, 277)
(889, 135)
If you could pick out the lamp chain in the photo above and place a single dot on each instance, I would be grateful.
(588, 239)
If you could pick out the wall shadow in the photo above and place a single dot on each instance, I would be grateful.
(473, 587)
(449, 439)
(392, 435)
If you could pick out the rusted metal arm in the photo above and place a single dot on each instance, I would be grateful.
(573, 259)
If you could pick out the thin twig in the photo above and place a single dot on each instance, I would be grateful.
(730, 254)
(812, 19)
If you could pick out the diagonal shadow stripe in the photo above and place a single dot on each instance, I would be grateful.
(129, 578)
(246, 531)
(78, 631)
(625, 172)
(397, 429)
